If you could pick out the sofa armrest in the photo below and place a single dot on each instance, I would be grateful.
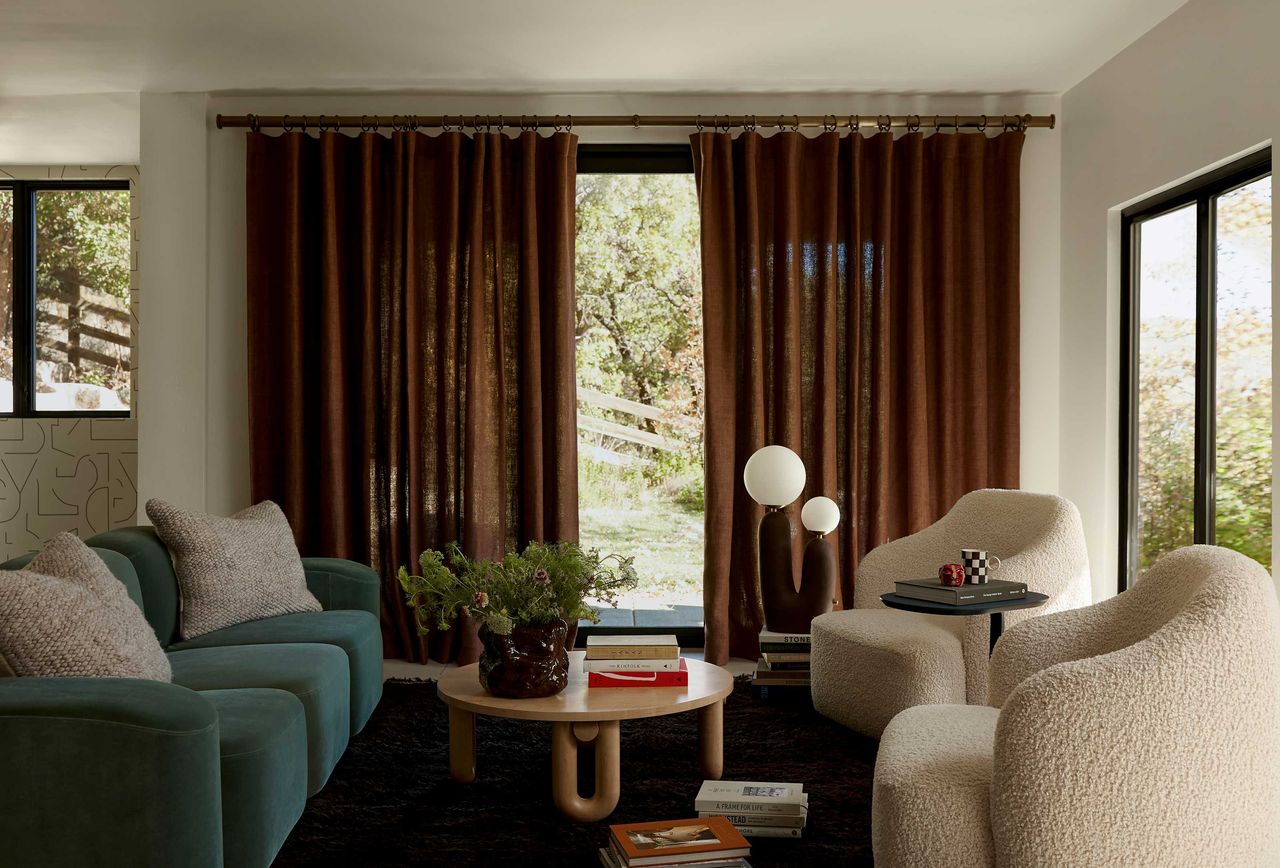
(343, 584)
(136, 762)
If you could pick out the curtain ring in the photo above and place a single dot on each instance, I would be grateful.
(558, 125)
(913, 123)
(253, 123)
(955, 122)
(502, 122)
(364, 123)
(285, 125)
(635, 122)
(697, 122)
(320, 125)
(569, 128)
(413, 123)
(829, 128)
(1022, 123)
(749, 126)
(795, 123)
(855, 123)
(304, 123)
(982, 127)
(885, 125)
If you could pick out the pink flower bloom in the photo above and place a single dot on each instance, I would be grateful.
(541, 576)
(481, 599)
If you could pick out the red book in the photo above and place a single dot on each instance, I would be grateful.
(675, 678)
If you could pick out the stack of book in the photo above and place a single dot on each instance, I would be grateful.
(634, 661)
(707, 842)
(783, 668)
(934, 591)
(758, 809)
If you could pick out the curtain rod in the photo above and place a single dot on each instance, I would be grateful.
(829, 123)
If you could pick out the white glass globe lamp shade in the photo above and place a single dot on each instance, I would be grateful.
(820, 515)
(774, 476)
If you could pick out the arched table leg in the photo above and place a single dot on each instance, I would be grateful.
(565, 738)
(462, 745)
(711, 740)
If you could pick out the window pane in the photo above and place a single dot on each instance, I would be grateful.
(6, 301)
(82, 300)
(1243, 492)
(639, 325)
(1166, 383)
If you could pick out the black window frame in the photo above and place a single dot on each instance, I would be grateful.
(24, 297)
(1201, 192)
(639, 159)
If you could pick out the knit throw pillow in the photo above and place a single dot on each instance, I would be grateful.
(66, 615)
(232, 570)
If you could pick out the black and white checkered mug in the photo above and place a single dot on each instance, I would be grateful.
(978, 565)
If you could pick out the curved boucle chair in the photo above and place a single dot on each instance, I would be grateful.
(1144, 730)
(871, 662)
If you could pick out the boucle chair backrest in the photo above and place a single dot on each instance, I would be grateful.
(1163, 748)
(1006, 522)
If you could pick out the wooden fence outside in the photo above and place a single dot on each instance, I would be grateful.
(687, 427)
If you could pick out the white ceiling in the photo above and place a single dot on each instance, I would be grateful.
(653, 46)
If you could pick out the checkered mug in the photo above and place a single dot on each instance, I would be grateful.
(978, 565)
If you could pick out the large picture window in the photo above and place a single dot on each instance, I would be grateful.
(1196, 368)
(640, 378)
(65, 331)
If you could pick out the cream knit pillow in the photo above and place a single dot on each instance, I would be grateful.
(66, 615)
(232, 570)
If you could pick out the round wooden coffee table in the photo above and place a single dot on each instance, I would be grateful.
(579, 715)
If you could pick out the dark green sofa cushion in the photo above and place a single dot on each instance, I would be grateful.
(108, 772)
(356, 633)
(263, 741)
(156, 578)
(317, 674)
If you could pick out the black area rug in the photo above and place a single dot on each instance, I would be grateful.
(390, 800)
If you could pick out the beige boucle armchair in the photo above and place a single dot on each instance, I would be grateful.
(1144, 730)
(871, 662)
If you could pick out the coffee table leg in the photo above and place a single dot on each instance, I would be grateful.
(711, 739)
(565, 738)
(462, 745)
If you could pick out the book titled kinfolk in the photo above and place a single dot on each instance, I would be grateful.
(752, 797)
(671, 664)
(632, 647)
(934, 591)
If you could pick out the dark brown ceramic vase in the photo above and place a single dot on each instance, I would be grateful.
(529, 663)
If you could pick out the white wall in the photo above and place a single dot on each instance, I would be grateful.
(98, 128)
(227, 437)
(1199, 89)
(172, 430)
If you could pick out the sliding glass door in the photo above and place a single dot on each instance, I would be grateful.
(1196, 379)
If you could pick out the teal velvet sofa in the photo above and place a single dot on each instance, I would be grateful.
(211, 770)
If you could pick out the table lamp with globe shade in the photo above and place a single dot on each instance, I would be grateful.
(775, 477)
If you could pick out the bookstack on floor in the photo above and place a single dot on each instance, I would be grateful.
(759, 809)
(710, 842)
(634, 661)
(782, 672)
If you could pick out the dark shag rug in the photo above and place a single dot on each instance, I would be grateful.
(390, 801)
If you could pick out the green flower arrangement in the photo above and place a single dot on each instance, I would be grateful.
(544, 582)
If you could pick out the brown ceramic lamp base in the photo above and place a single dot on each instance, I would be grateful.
(787, 610)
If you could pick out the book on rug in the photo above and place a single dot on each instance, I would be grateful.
(677, 842)
(771, 663)
(769, 832)
(632, 647)
(752, 797)
(783, 643)
(781, 821)
(677, 678)
(932, 590)
(609, 858)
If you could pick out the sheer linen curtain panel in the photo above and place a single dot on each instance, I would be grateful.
(860, 306)
(411, 348)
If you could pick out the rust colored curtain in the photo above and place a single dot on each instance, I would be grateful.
(860, 307)
(411, 349)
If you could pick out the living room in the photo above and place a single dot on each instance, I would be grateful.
(642, 434)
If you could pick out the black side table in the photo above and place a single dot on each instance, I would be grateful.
(995, 609)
